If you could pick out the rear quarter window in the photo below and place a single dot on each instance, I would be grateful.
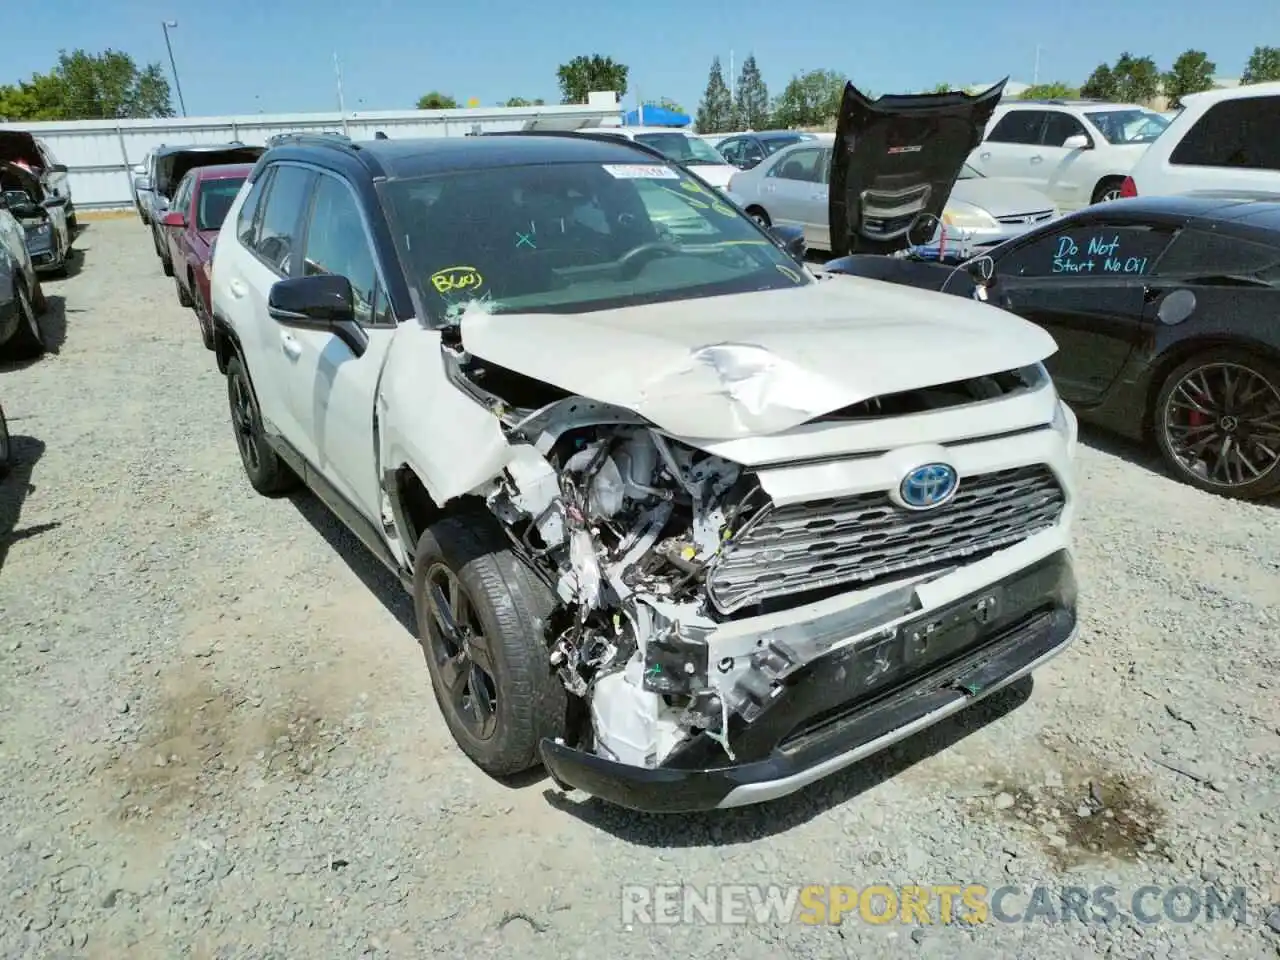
(1243, 133)
(1207, 253)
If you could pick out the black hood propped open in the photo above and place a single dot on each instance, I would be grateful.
(898, 157)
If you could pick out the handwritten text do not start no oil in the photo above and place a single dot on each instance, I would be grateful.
(1100, 255)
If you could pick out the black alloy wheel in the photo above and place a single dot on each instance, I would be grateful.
(1219, 423)
(461, 653)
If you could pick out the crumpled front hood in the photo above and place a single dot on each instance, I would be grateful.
(755, 364)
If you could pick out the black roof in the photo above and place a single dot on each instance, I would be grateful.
(1254, 209)
(425, 156)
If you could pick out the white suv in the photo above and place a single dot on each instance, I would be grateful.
(1076, 151)
(1222, 141)
(686, 523)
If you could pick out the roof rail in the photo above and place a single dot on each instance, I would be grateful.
(590, 133)
(318, 137)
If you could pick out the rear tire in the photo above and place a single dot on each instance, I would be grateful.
(184, 296)
(167, 265)
(1188, 422)
(28, 340)
(267, 473)
(498, 713)
(758, 214)
(1108, 188)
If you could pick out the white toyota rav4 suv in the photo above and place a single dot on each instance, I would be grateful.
(1076, 151)
(684, 521)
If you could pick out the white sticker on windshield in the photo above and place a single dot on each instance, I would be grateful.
(640, 171)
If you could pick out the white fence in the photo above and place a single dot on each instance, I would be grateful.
(99, 153)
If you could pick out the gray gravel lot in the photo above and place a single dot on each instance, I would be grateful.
(217, 738)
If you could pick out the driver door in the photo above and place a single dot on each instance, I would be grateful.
(331, 390)
(1087, 287)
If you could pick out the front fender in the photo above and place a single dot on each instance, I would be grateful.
(451, 442)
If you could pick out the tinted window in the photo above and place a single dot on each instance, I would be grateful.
(570, 237)
(246, 222)
(182, 196)
(1093, 250)
(1018, 126)
(282, 216)
(774, 144)
(215, 199)
(1235, 133)
(803, 165)
(731, 150)
(1205, 253)
(1058, 126)
(336, 243)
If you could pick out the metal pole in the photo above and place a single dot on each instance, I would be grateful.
(165, 25)
(337, 72)
(1035, 76)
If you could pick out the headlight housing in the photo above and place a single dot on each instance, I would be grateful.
(969, 217)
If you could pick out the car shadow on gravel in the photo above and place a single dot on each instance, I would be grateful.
(746, 824)
(376, 577)
(1138, 454)
(53, 324)
(15, 487)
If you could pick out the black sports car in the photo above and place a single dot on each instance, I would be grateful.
(1166, 311)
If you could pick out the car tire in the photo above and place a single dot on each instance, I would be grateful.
(758, 214)
(267, 473)
(167, 265)
(495, 597)
(28, 340)
(184, 297)
(1108, 188)
(39, 300)
(1258, 377)
(6, 449)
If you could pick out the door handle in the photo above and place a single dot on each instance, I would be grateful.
(985, 156)
(1037, 158)
(237, 289)
(292, 348)
(769, 188)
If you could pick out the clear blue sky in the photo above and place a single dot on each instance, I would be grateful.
(250, 56)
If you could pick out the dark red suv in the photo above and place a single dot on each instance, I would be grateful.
(199, 205)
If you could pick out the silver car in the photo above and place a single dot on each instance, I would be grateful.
(791, 188)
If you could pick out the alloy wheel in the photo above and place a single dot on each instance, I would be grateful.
(244, 420)
(462, 654)
(1222, 424)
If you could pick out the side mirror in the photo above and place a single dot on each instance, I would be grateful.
(323, 302)
(174, 218)
(1077, 142)
(791, 239)
(142, 183)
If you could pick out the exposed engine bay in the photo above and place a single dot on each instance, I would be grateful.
(626, 521)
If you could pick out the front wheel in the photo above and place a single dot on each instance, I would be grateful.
(481, 622)
(267, 473)
(759, 216)
(1217, 423)
(184, 297)
(28, 340)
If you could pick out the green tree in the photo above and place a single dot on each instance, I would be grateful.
(715, 112)
(89, 86)
(522, 102)
(939, 88)
(750, 98)
(1192, 72)
(1101, 84)
(435, 100)
(810, 99)
(1057, 90)
(593, 74)
(1263, 66)
(1137, 79)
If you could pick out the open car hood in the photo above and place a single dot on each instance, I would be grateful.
(755, 364)
(171, 167)
(14, 177)
(898, 157)
(19, 145)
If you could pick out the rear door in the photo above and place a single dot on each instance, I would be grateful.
(794, 191)
(1010, 145)
(1087, 285)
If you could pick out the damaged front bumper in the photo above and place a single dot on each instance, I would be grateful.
(827, 703)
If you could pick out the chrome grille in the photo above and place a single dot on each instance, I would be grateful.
(1040, 216)
(864, 538)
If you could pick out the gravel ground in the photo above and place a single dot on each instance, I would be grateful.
(217, 738)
